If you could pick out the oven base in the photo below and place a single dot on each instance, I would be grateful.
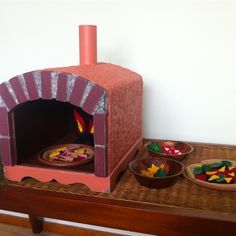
(94, 183)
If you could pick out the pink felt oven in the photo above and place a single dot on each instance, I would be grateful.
(94, 104)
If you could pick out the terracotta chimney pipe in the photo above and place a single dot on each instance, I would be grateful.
(88, 44)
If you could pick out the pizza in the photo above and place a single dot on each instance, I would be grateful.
(216, 174)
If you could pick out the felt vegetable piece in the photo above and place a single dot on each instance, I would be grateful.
(153, 169)
(222, 169)
(215, 165)
(166, 149)
(63, 158)
(154, 147)
(81, 155)
(160, 173)
(206, 167)
(232, 174)
(165, 167)
(74, 156)
(211, 172)
(213, 177)
(53, 154)
(171, 150)
(88, 151)
(61, 149)
(202, 177)
(80, 151)
(198, 170)
(220, 179)
(146, 173)
(232, 168)
(227, 163)
(228, 180)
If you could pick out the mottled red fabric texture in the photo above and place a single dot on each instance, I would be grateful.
(125, 90)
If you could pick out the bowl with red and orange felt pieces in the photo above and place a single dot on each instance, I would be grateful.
(218, 174)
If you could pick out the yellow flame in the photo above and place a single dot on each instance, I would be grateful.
(79, 126)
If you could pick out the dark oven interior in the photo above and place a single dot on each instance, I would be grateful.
(42, 123)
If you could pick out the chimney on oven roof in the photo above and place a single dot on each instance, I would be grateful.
(88, 44)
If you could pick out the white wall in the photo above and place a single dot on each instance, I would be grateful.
(184, 49)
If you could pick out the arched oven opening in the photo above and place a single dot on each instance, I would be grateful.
(40, 124)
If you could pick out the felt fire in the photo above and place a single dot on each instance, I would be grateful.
(81, 123)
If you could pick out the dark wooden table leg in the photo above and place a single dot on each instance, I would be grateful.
(36, 223)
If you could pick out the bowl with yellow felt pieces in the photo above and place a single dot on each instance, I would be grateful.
(218, 174)
(175, 150)
(156, 172)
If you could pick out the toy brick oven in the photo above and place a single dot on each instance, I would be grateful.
(37, 111)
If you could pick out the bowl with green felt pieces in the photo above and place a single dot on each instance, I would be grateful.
(175, 150)
(156, 172)
(217, 174)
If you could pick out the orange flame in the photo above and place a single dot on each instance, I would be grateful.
(91, 127)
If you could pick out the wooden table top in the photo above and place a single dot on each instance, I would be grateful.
(182, 209)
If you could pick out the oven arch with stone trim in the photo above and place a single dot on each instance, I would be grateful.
(62, 87)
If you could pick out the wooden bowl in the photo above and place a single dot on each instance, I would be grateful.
(43, 156)
(175, 169)
(185, 148)
(189, 174)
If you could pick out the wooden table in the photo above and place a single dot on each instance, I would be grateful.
(118, 210)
